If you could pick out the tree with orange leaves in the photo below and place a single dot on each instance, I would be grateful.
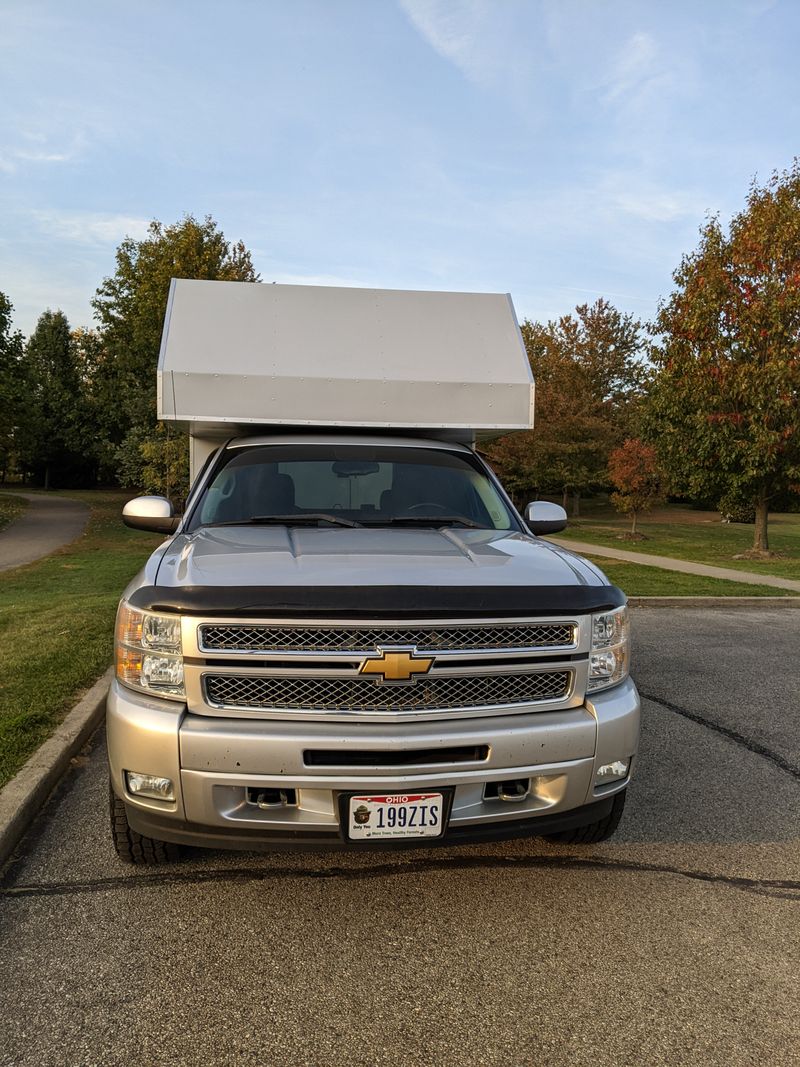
(637, 479)
(724, 409)
(590, 377)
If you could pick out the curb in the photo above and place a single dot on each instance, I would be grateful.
(26, 793)
(714, 602)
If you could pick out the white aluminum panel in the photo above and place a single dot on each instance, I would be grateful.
(276, 355)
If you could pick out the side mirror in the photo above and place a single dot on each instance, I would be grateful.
(151, 513)
(543, 517)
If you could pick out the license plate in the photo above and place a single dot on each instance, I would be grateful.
(396, 815)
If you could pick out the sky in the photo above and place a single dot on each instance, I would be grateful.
(559, 150)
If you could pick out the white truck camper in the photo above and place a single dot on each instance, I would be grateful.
(236, 357)
(351, 638)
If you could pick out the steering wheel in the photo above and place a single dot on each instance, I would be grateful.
(427, 504)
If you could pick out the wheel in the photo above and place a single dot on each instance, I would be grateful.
(593, 831)
(132, 847)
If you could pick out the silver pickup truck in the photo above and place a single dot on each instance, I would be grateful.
(354, 639)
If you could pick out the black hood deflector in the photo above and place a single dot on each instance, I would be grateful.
(380, 601)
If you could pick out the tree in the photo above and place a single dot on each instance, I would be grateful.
(11, 392)
(637, 480)
(50, 439)
(724, 411)
(155, 461)
(99, 413)
(129, 307)
(589, 378)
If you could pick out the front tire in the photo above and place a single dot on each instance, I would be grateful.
(133, 847)
(593, 831)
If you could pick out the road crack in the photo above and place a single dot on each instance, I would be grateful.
(733, 735)
(779, 888)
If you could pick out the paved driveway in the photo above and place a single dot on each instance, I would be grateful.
(676, 943)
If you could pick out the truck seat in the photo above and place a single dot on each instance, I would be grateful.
(416, 485)
(254, 490)
(274, 494)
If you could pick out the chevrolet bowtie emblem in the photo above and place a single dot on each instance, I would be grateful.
(396, 666)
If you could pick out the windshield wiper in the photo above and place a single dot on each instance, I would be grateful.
(308, 519)
(429, 520)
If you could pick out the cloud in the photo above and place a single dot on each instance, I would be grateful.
(499, 46)
(43, 157)
(652, 204)
(633, 68)
(91, 228)
(37, 150)
(597, 207)
(440, 23)
(456, 30)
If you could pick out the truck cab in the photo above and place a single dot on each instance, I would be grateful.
(351, 638)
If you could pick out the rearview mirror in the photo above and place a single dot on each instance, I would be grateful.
(543, 517)
(151, 513)
(354, 468)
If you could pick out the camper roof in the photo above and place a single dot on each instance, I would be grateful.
(250, 355)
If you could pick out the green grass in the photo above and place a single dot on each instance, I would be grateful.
(693, 537)
(637, 580)
(11, 507)
(56, 626)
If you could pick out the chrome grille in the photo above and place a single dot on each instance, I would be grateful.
(357, 694)
(239, 637)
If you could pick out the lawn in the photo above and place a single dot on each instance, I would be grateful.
(678, 532)
(56, 625)
(11, 507)
(637, 580)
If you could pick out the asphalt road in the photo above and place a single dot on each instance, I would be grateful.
(675, 943)
(48, 523)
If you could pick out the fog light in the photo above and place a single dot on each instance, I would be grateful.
(148, 785)
(611, 772)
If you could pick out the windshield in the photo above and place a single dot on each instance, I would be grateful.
(351, 485)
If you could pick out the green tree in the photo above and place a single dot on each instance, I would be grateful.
(50, 438)
(11, 391)
(724, 410)
(589, 376)
(100, 413)
(129, 307)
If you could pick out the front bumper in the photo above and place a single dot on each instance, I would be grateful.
(216, 763)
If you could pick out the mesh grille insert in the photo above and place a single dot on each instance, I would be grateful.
(357, 694)
(240, 637)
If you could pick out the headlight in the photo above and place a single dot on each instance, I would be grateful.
(609, 659)
(148, 652)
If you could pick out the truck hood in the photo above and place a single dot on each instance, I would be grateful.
(279, 556)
